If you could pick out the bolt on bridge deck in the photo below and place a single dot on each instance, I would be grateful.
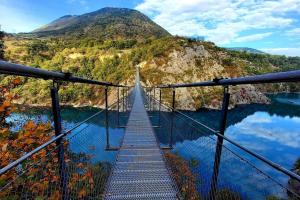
(140, 171)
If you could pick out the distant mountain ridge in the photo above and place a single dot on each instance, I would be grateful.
(246, 49)
(57, 24)
(106, 23)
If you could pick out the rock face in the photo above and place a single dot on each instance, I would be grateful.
(195, 63)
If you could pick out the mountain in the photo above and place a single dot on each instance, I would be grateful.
(246, 49)
(108, 44)
(106, 23)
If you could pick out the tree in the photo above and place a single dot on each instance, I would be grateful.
(1, 44)
(37, 47)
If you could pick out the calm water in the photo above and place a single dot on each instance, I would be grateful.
(89, 138)
(270, 130)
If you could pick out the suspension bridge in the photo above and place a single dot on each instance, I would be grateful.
(143, 169)
(140, 171)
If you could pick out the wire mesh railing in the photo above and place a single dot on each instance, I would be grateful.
(191, 151)
(50, 157)
(85, 168)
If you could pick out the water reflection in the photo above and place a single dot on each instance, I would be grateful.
(270, 130)
(273, 132)
(89, 138)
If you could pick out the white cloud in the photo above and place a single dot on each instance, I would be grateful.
(294, 32)
(220, 21)
(283, 51)
(252, 37)
(283, 130)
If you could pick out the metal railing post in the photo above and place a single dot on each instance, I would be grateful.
(127, 98)
(219, 144)
(172, 119)
(150, 96)
(159, 107)
(154, 99)
(149, 99)
(123, 93)
(106, 118)
(118, 107)
(59, 142)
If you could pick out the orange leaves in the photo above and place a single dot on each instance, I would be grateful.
(39, 187)
(55, 195)
(75, 177)
(54, 179)
(4, 147)
(16, 81)
(5, 101)
(41, 170)
(4, 106)
(29, 141)
(29, 126)
(183, 176)
(42, 127)
(89, 174)
(4, 132)
(31, 136)
(82, 193)
(42, 153)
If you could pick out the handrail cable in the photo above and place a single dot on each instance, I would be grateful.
(256, 155)
(22, 70)
(54, 139)
(289, 76)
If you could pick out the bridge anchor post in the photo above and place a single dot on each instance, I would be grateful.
(58, 130)
(219, 144)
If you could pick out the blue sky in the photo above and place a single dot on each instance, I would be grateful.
(271, 25)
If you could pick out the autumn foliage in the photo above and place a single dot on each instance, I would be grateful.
(183, 176)
(15, 144)
(39, 177)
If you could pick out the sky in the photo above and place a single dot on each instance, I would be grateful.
(272, 26)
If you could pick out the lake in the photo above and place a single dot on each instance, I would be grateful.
(272, 131)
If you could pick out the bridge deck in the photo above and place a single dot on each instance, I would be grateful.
(140, 171)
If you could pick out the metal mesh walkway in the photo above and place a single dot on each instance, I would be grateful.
(140, 171)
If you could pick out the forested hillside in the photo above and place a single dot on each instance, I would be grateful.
(111, 53)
